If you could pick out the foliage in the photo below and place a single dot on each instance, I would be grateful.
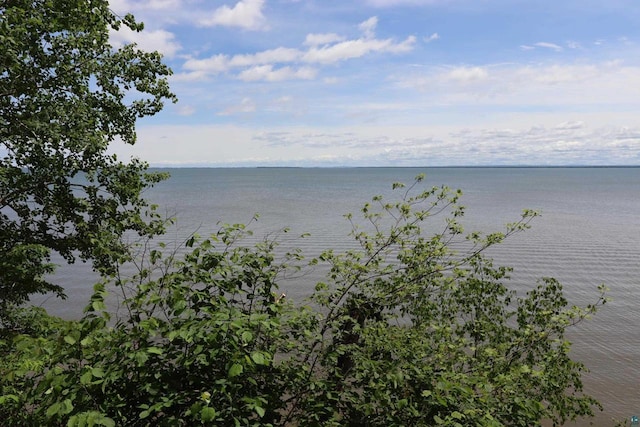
(65, 94)
(411, 327)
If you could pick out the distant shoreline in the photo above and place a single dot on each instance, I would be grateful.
(400, 167)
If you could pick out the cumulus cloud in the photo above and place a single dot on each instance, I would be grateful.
(246, 14)
(322, 39)
(368, 27)
(127, 6)
(214, 64)
(160, 40)
(269, 74)
(355, 48)
(157, 13)
(324, 48)
(278, 55)
(191, 76)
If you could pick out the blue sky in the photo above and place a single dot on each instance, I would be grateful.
(392, 82)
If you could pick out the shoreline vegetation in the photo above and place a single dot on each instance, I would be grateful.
(210, 329)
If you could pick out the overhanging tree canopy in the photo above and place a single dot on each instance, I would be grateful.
(65, 95)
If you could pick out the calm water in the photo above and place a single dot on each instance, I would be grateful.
(588, 234)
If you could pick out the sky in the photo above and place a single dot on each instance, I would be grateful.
(391, 82)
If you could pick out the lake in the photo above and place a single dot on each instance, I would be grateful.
(588, 234)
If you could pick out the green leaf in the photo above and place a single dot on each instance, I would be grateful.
(90, 419)
(8, 397)
(86, 378)
(457, 415)
(59, 408)
(98, 305)
(258, 358)
(207, 414)
(235, 370)
(247, 336)
(154, 350)
(141, 358)
(97, 372)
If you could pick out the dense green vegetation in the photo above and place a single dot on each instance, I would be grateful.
(65, 94)
(410, 328)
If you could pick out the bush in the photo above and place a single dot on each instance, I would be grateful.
(409, 328)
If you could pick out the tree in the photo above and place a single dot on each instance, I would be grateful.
(65, 95)
(413, 326)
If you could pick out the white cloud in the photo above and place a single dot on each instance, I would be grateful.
(127, 6)
(541, 139)
(278, 55)
(246, 14)
(368, 27)
(565, 143)
(466, 75)
(160, 40)
(431, 38)
(551, 46)
(570, 125)
(322, 39)
(192, 76)
(325, 48)
(214, 64)
(356, 48)
(156, 13)
(558, 87)
(428, 90)
(267, 73)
